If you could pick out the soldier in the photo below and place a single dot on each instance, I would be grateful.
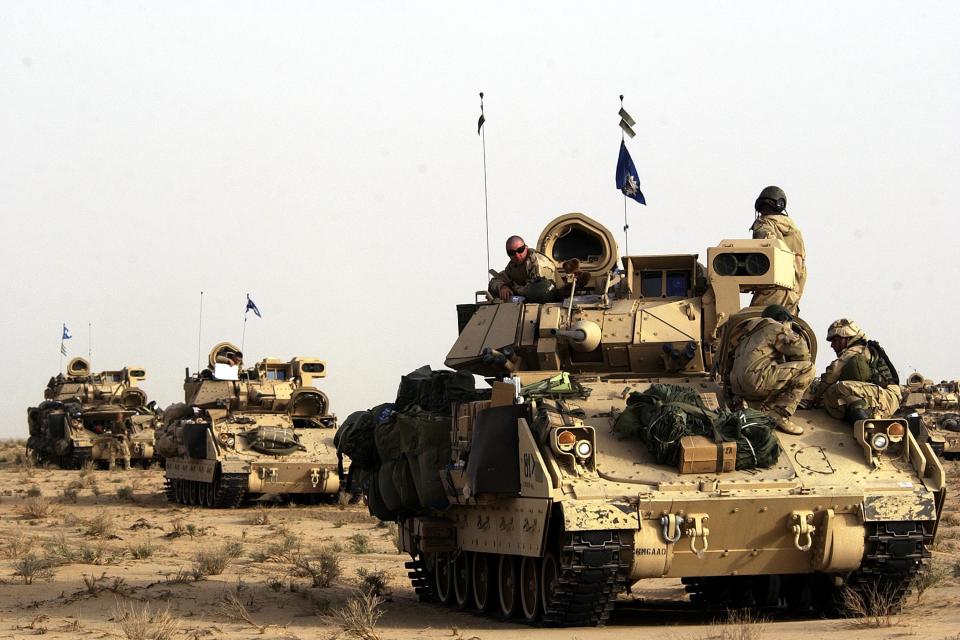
(772, 364)
(862, 382)
(526, 267)
(117, 444)
(773, 222)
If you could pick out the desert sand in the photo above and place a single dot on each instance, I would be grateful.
(107, 557)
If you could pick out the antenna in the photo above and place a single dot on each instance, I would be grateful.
(199, 332)
(486, 208)
(90, 344)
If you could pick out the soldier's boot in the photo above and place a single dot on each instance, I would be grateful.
(856, 411)
(784, 424)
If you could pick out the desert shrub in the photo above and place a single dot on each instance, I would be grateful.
(259, 517)
(36, 508)
(32, 567)
(125, 494)
(322, 569)
(99, 526)
(17, 546)
(70, 494)
(212, 562)
(360, 543)
(372, 582)
(34, 492)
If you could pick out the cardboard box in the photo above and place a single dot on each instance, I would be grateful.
(702, 455)
(503, 394)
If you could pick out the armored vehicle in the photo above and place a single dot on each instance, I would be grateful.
(549, 507)
(935, 409)
(103, 417)
(245, 432)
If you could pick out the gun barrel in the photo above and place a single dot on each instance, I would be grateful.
(577, 335)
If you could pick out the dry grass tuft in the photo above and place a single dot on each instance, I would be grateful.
(142, 551)
(234, 609)
(36, 508)
(935, 573)
(99, 526)
(95, 585)
(212, 562)
(34, 492)
(16, 546)
(138, 622)
(258, 517)
(359, 616)
(740, 624)
(874, 605)
(125, 494)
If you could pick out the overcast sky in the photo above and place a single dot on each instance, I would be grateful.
(324, 158)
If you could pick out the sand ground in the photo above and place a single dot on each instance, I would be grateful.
(117, 550)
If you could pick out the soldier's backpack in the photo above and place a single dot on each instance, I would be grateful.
(883, 371)
(355, 437)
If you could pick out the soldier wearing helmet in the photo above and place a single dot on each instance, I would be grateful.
(529, 273)
(862, 382)
(773, 222)
(772, 365)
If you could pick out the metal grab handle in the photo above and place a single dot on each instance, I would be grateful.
(665, 523)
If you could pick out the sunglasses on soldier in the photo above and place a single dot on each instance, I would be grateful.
(517, 251)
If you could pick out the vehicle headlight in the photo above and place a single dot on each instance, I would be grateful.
(879, 441)
(566, 440)
(895, 431)
(584, 449)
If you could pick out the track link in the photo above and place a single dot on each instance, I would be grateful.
(897, 553)
(229, 490)
(421, 579)
(593, 571)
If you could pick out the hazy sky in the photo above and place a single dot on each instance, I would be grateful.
(324, 158)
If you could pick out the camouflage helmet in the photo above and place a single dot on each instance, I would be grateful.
(771, 199)
(541, 291)
(777, 312)
(844, 328)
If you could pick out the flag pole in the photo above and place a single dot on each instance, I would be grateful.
(199, 332)
(90, 344)
(62, 348)
(626, 226)
(486, 208)
(243, 336)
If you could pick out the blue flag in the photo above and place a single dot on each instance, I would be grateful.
(251, 307)
(66, 333)
(627, 179)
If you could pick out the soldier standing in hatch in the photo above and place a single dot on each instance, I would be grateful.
(526, 266)
(772, 364)
(861, 383)
(773, 222)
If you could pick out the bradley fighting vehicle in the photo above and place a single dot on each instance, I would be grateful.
(549, 513)
(936, 410)
(260, 431)
(87, 416)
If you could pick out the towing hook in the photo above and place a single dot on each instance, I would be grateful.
(665, 522)
(696, 529)
(802, 527)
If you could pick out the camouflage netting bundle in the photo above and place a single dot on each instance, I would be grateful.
(664, 413)
(398, 450)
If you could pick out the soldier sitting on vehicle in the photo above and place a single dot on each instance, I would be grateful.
(529, 273)
(772, 364)
(861, 383)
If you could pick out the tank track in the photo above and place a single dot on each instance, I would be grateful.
(593, 571)
(896, 553)
(230, 491)
(421, 579)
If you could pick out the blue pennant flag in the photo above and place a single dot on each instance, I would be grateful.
(66, 333)
(251, 307)
(627, 179)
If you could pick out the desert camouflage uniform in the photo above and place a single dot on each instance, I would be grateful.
(517, 276)
(782, 227)
(846, 382)
(772, 364)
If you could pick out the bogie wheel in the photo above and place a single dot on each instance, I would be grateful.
(207, 494)
(461, 567)
(178, 490)
(549, 580)
(443, 575)
(194, 492)
(530, 589)
(483, 582)
(508, 586)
